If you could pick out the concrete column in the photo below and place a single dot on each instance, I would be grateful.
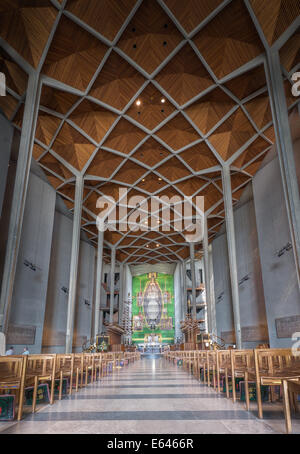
(208, 314)
(192, 262)
(212, 292)
(184, 298)
(121, 294)
(19, 197)
(284, 146)
(232, 252)
(112, 284)
(74, 263)
(98, 282)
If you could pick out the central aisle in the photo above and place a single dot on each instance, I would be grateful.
(151, 396)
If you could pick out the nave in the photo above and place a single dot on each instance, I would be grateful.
(151, 396)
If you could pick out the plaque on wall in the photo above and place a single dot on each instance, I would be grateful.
(255, 333)
(228, 337)
(21, 335)
(287, 326)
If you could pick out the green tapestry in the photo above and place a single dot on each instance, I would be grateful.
(153, 310)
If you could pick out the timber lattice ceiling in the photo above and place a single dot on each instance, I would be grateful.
(196, 69)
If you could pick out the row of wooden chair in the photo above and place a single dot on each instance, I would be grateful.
(276, 368)
(19, 372)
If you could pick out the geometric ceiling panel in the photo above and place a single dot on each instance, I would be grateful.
(178, 133)
(191, 13)
(37, 151)
(151, 152)
(26, 26)
(130, 173)
(150, 36)
(184, 77)
(237, 180)
(73, 147)
(254, 166)
(104, 16)
(229, 40)
(248, 83)
(8, 105)
(124, 137)
(211, 196)
(51, 163)
(46, 127)
(57, 100)
(209, 110)
(151, 108)
(151, 183)
(260, 110)
(290, 52)
(256, 147)
(199, 157)
(191, 185)
(93, 119)
(16, 78)
(74, 55)
(54, 181)
(104, 164)
(173, 169)
(117, 82)
(275, 16)
(232, 134)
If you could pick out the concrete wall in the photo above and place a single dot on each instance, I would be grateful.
(84, 299)
(54, 336)
(29, 297)
(57, 301)
(222, 288)
(281, 290)
(251, 293)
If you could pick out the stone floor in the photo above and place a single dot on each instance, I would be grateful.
(150, 397)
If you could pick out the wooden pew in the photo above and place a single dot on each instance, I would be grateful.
(41, 368)
(291, 390)
(273, 367)
(12, 378)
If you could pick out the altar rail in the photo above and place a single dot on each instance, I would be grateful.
(23, 375)
(262, 374)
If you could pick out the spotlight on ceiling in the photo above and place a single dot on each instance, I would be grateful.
(138, 102)
(162, 100)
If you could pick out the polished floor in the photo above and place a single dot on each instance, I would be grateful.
(149, 397)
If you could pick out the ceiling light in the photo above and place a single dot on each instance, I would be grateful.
(163, 100)
(138, 103)
(159, 179)
(157, 245)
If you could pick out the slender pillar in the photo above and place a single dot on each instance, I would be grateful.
(112, 284)
(184, 295)
(19, 197)
(232, 253)
(192, 262)
(98, 282)
(212, 292)
(284, 145)
(121, 291)
(208, 322)
(74, 263)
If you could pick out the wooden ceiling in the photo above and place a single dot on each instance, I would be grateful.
(149, 95)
